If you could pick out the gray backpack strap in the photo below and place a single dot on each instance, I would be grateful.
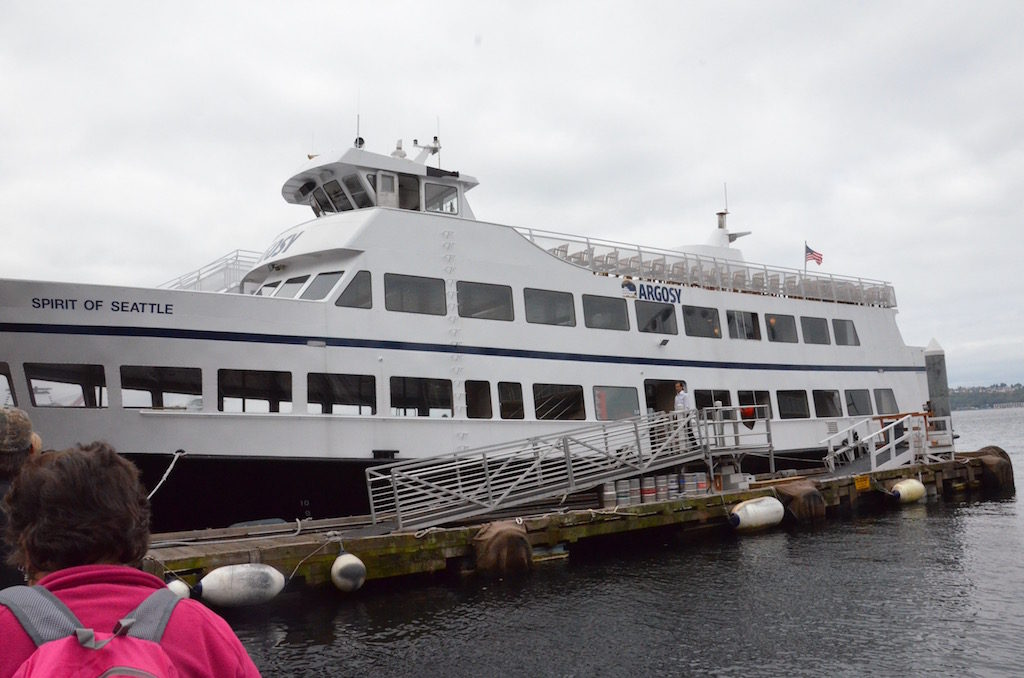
(43, 616)
(150, 618)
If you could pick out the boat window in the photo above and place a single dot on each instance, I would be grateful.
(558, 401)
(743, 325)
(337, 196)
(616, 402)
(793, 404)
(439, 198)
(254, 391)
(417, 397)
(316, 208)
(321, 200)
(408, 192)
(358, 293)
(885, 401)
(605, 313)
(702, 321)
(321, 286)
(414, 294)
(705, 398)
(478, 399)
(66, 385)
(357, 191)
(656, 317)
(341, 393)
(483, 300)
(754, 404)
(267, 289)
(858, 403)
(547, 307)
(815, 330)
(510, 400)
(7, 398)
(846, 333)
(780, 328)
(826, 404)
(161, 387)
(291, 287)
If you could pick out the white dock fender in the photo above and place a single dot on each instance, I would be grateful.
(243, 584)
(754, 514)
(348, 572)
(908, 491)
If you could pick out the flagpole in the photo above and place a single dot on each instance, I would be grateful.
(805, 258)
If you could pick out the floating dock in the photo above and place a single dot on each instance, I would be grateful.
(304, 552)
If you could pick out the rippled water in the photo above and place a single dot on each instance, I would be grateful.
(932, 588)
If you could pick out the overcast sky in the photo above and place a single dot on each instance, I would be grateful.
(143, 140)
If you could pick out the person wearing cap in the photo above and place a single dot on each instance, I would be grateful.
(17, 442)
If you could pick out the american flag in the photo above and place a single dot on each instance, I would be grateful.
(811, 255)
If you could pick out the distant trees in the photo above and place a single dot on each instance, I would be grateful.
(980, 397)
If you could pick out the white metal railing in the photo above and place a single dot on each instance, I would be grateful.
(456, 486)
(223, 275)
(684, 268)
(905, 439)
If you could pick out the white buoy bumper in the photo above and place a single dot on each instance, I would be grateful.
(908, 491)
(755, 514)
(244, 584)
(348, 572)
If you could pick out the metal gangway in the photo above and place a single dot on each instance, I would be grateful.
(889, 441)
(223, 275)
(451, 487)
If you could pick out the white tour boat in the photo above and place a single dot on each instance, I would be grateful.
(395, 325)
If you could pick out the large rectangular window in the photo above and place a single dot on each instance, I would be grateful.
(792, 404)
(478, 399)
(558, 401)
(483, 300)
(439, 198)
(289, 288)
(827, 404)
(161, 387)
(547, 307)
(780, 328)
(846, 333)
(885, 401)
(815, 330)
(66, 385)
(417, 397)
(704, 398)
(858, 402)
(701, 321)
(510, 400)
(755, 404)
(328, 393)
(414, 294)
(7, 398)
(616, 402)
(656, 317)
(254, 391)
(321, 286)
(605, 313)
(358, 293)
(743, 325)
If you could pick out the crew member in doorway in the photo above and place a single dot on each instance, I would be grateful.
(684, 407)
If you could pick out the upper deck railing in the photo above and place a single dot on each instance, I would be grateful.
(684, 268)
(223, 275)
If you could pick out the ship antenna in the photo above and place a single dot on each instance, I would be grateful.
(358, 143)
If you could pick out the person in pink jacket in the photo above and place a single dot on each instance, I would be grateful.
(78, 525)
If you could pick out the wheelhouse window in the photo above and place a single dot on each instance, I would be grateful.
(510, 400)
(558, 401)
(547, 307)
(321, 286)
(254, 391)
(815, 330)
(268, 289)
(754, 404)
(328, 393)
(66, 385)
(357, 191)
(655, 317)
(484, 300)
(885, 401)
(846, 333)
(358, 293)
(743, 325)
(858, 402)
(793, 405)
(161, 387)
(7, 398)
(701, 321)
(418, 397)
(291, 287)
(478, 399)
(827, 404)
(781, 328)
(337, 196)
(616, 402)
(605, 313)
(414, 294)
(440, 198)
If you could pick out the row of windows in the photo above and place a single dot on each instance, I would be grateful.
(350, 193)
(63, 385)
(418, 294)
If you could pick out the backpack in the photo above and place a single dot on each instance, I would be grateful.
(65, 648)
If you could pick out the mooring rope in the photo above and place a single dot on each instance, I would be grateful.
(174, 460)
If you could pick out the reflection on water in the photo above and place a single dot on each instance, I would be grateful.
(931, 588)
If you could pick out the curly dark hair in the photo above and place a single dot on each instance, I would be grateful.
(80, 506)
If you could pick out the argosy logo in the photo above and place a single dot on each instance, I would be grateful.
(281, 246)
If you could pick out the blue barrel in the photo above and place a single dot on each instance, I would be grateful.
(673, 486)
